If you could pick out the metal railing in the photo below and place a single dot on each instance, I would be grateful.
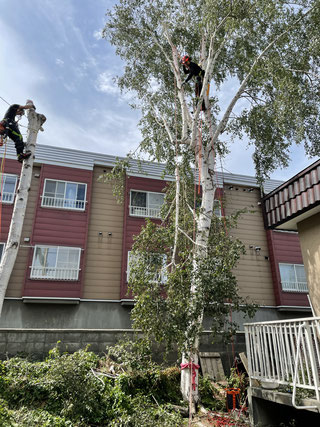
(7, 197)
(145, 212)
(55, 202)
(52, 273)
(294, 286)
(286, 353)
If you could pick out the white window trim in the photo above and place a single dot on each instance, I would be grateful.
(300, 287)
(163, 274)
(148, 212)
(9, 202)
(34, 275)
(43, 197)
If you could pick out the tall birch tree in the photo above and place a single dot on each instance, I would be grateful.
(264, 54)
(13, 241)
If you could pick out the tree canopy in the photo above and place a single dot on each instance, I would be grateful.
(272, 44)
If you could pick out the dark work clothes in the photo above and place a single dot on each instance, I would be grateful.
(11, 112)
(194, 70)
(12, 130)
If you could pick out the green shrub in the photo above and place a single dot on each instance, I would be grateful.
(132, 355)
(63, 391)
(5, 416)
(144, 413)
(210, 396)
(25, 417)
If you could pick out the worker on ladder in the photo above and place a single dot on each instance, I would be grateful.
(194, 70)
(9, 127)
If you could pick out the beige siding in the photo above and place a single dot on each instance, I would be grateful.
(253, 271)
(103, 257)
(309, 235)
(18, 274)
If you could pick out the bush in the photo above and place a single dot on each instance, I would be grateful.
(63, 391)
(210, 396)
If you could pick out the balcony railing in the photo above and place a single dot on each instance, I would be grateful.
(294, 286)
(7, 197)
(52, 273)
(55, 202)
(286, 353)
(145, 212)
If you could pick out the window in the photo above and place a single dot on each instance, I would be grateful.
(217, 208)
(2, 246)
(158, 263)
(8, 188)
(55, 263)
(63, 194)
(293, 278)
(146, 204)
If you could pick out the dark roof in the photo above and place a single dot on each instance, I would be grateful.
(295, 200)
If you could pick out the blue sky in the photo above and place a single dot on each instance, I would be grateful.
(52, 52)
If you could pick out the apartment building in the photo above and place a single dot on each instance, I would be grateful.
(71, 269)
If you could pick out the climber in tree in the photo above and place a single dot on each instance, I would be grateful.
(12, 130)
(193, 70)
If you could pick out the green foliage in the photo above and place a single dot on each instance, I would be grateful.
(117, 177)
(210, 396)
(62, 391)
(132, 355)
(145, 413)
(26, 417)
(239, 380)
(5, 416)
(166, 309)
(278, 105)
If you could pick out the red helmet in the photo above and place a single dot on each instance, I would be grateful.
(185, 59)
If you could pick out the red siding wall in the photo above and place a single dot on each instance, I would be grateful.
(11, 167)
(132, 225)
(59, 227)
(285, 247)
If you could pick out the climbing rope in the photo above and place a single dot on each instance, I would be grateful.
(2, 180)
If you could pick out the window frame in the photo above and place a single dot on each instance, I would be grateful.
(163, 274)
(43, 197)
(9, 202)
(147, 207)
(216, 202)
(3, 248)
(35, 276)
(294, 285)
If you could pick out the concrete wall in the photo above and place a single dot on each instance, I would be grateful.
(99, 315)
(36, 343)
(309, 234)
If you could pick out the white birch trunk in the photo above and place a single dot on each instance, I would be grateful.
(208, 184)
(13, 241)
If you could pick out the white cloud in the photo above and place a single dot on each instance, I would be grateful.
(97, 34)
(59, 62)
(106, 84)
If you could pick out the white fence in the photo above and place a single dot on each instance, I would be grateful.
(56, 202)
(53, 273)
(145, 212)
(286, 353)
(7, 197)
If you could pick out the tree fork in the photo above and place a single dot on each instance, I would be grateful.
(13, 242)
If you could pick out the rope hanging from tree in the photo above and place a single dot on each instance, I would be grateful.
(1, 179)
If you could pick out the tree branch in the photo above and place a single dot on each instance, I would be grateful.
(223, 122)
